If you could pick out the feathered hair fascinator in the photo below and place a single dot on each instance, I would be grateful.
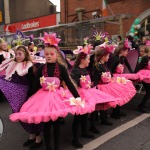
(2, 40)
(100, 36)
(50, 39)
(85, 40)
(20, 38)
(109, 47)
(148, 43)
(86, 49)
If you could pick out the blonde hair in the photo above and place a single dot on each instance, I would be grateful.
(147, 50)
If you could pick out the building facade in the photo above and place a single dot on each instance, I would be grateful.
(27, 9)
(93, 9)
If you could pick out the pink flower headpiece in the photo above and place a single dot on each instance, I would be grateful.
(50, 39)
(148, 43)
(86, 49)
(109, 48)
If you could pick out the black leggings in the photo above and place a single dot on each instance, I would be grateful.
(56, 134)
(147, 95)
(75, 125)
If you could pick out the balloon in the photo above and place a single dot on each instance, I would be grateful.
(132, 34)
(135, 37)
(136, 32)
(138, 26)
(135, 27)
(132, 30)
(137, 21)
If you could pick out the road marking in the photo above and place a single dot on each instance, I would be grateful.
(104, 138)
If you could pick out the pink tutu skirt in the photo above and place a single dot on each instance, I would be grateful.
(44, 106)
(124, 92)
(144, 75)
(128, 76)
(103, 100)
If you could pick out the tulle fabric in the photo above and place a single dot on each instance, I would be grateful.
(144, 75)
(44, 106)
(124, 92)
(128, 76)
(103, 100)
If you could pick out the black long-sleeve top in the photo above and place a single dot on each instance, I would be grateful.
(63, 77)
(97, 72)
(119, 60)
(76, 74)
(1, 58)
(143, 64)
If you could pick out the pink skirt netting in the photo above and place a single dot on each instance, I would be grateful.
(125, 92)
(44, 106)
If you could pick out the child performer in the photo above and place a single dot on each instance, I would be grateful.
(143, 70)
(119, 60)
(50, 101)
(4, 52)
(17, 87)
(83, 81)
(117, 87)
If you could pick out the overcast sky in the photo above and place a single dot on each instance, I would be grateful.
(57, 3)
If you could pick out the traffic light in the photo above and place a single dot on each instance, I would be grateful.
(1, 16)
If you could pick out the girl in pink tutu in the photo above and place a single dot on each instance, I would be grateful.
(119, 60)
(51, 101)
(17, 85)
(118, 87)
(143, 70)
(91, 95)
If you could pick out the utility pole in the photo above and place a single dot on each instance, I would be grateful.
(121, 26)
(7, 12)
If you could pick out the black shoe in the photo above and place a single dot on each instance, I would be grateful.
(106, 123)
(28, 142)
(87, 135)
(143, 110)
(35, 145)
(77, 144)
(115, 116)
(62, 121)
(122, 114)
(94, 130)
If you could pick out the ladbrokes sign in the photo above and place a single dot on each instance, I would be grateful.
(31, 24)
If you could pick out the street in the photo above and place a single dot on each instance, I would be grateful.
(128, 133)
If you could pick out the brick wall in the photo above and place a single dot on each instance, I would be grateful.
(133, 7)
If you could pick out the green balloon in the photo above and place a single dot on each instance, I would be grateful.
(132, 30)
(135, 37)
(137, 21)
